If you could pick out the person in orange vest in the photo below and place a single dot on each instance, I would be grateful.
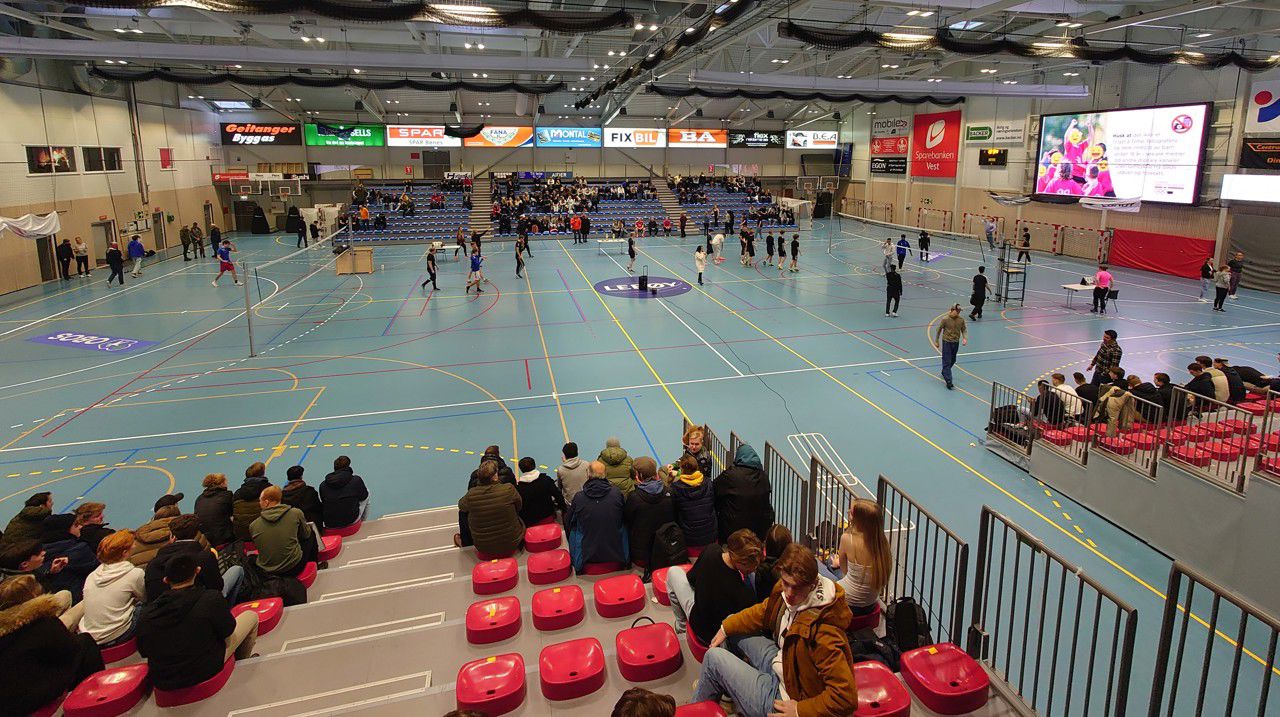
(364, 217)
(575, 223)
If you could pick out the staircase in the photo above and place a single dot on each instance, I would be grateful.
(667, 198)
(481, 204)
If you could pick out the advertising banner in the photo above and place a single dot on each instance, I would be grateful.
(546, 175)
(935, 144)
(1260, 154)
(888, 165)
(891, 127)
(501, 137)
(581, 137)
(457, 175)
(996, 133)
(420, 135)
(249, 133)
(812, 139)
(344, 135)
(882, 146)
(706, 138)
(230, 176)
(758, 139)
(1264, 108)
(635, 137)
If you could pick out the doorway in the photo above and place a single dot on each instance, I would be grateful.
(435, 164)
(101, 234)
(157, 230)
(45, 255)
(208, 217)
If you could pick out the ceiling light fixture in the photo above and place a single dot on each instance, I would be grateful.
(1203, 35)
(639, 26)
(653, 28)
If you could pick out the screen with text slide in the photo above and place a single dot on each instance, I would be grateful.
(1153, 153)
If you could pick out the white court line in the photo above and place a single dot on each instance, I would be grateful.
(830, 457)
(425, 676)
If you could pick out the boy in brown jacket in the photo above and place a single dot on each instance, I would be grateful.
(798, 661)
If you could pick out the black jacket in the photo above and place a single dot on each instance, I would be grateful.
(1088, 392)
(719, 591)
(1250, 375)
(183, 635)
(594, 522)
(540, 498)
(1235, 385)
(894, 283)
(81, 561)
(1201, 385)
(93, 534)
(306, 499)
(695, 509)
(1050, 407)
(245, 507)
(643, 513)
(341, 494)
(209, 576)
(64, 252)
(505, 474)
(40, 659)
(213, 508)
(742, 497)
(1147, 392)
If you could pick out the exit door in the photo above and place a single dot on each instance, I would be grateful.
(157, 231)
(44, 254)
(101, 234)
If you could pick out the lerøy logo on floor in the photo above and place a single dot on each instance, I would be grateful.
(629, 286)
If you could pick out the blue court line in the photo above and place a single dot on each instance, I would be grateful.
(314, 439)
(96, 483)
(653, 451)
(921, 405)
(297, 318)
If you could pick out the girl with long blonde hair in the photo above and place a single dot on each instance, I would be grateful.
(863, 560)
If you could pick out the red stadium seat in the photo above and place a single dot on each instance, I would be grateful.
(619, 596)
(870, 621)
(119, 652)
(568, 670)
(195, 693)
(700, 709)
(330, 546)
(602, 568)
(696, 648)
(1194, 434)
(493, 620)
(495, 576)
(1256, 408)
(1078, 433)
(1238, 425)
(945, 679)
(108, 693)
(1117, 445)
(1222, 450)
(695, 551)
(558, 608)
(659, 578)
(345, 531)
(549, 567)
(1173, 438)
(1144, 441)
(549, 520)
(491, 685)
(880, 694)
(648, 652)
(269, 610)
(1057, 438)
(1192, 454)
(308, 575)
(541, 538)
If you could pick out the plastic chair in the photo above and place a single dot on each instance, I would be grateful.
(880, 694)
(568, 670)
(648, 652)
(308, 575)
(269, 610)
(945, 679)
(493, 620)
(700, 709)
(491, 685)
(107, 693)
(696, 648)
(869, 621)
(195, 693)
(119, 652)
(330, 546)
(549, 567)
(495, 576)
(558, 608)
(619, 596)
(659, 578)
(345, 531)
(602, 568)
(541, 538)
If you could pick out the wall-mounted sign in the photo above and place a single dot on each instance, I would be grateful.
(888, 165)
(993, 157)
(759, 139)
(882, 146)
(706, 138)
(935, 144)
(546, 175)
(344, 135)
(501, 137)
(250, 133)
(230, 176)
(635, 137)
(417, 135)
(997, 133)
(891, 127)
(1260, 154)
(812, 139)
(581, 137)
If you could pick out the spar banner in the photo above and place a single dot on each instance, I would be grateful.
(501, 137)
(251, 133)
(935, 144)
(420, 135)
(1260, 154)
(757, 139)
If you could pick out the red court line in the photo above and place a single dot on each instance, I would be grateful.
(428, 301)
(528, 378)
(877, 338)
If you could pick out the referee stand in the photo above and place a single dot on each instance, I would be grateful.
(1011, 276)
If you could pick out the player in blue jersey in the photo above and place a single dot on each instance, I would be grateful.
(477, 274)
(224, 261)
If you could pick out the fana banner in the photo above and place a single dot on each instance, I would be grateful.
(31, 226)
(757, 139)
(706, 138)
(935, 144)
(417, 135)
(635, 137)
(581, 137)
(501, 137)
(344, 135)
(250, 133)
(812, 139)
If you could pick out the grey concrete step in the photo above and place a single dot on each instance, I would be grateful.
(397, 522)
(394, 543)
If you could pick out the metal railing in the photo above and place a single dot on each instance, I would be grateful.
(790, 488)
(720, 457)
(830, 497)
(930, 562)
(1209, 438)
(1062, 422)
(1059, 638)
(1267, 462)
(1237, 649)
(1141, 426)
(1008, 418)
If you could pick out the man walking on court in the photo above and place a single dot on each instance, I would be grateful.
(136, 253)
(431, 270)
(952, 332)
(1107, 358)
(184, 236)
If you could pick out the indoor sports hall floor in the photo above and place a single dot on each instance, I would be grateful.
(414, 384)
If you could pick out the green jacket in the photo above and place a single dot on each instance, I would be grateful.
(493, 514)
(28, 523)
(278, 534)
(617, 469)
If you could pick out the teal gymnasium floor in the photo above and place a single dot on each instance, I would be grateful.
(413, 385)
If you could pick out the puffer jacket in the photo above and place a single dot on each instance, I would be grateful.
(40, 659)
(244, 506)
(28, 523)
(617, 469)
(148, 540)
(278, 534)
(594, 522)
(695, 509)
(742, 496)
(493, 514)
(213, 508)
(1118, 408)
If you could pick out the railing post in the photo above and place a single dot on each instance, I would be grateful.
(809, 500)
(976, 646)
(1165, 641)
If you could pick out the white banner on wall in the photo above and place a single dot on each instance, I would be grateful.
(635, 137)
(32, 226)
(998, 132)
(420, 135)
(891, 127)
(812, 139)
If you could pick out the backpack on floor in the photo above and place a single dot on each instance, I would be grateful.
(668, 547)
(907, 624)
(877, 649)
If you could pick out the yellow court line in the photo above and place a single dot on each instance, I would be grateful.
(279, 449)
(623, 329)
(98, 468)
(33, 429)
(555, 392)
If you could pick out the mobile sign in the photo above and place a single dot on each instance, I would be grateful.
(581, 137)
(249, 133)
(344, 135)
(91, 342)
(416, 135)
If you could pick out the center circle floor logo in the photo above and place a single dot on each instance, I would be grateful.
(629, 287)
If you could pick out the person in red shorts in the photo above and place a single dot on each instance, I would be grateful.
(224, 262)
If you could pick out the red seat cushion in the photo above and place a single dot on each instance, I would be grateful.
(1193, 434)
(1270, 441)
(549, 567)
(1173, 438)
(696, 648)
(195, 693)
(346, 531)
(602, 568)
(880, 694)
(308, 575)
(493, 620)
(1222, 450)
(330, 546)
(866, 622)
(700, 709)
(1256, 408)
(695, 551)
(491, 685)
(1192, 454)
(541, 538)
(1238, 425)
(648, 652)
(495, 576)
(1078, 433)
(619, 596)
(1117, 445)
(572, 669)
(117, 653)
(558, 608)
(269, 610)
(107, 693)
(659, 578)
(1145, 441)
(1057, 438)
(1271, 465)
(945, 679)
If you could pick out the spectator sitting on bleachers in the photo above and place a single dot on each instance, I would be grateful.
(1048, 405)
(61, 540)
(380, 221)
(863, 562)
(617, 465)
(343, 495)
(540, 498)
(91, 524)
(184, 539)
(1201, 383)
(1150, 395)
(244, 507)
(29, 522)
(113, 593)
(639, 702)
(648, 508)
(776, 540)
(284, 539)
(720, 583)
(26, 556)
(492, 510)
(492, 455)
(1221, 387)
(298, 494)
(213, 507)
(1235, 384)
(1164, 391)
(695, 504)
(1070, 401)
(188, 633)
(594, 522)
(1084, 389)
(572, 472)
(1253, 379)
(803, 622)
(40, 658)
(742, 496)
(1116, 408)
(154, 534)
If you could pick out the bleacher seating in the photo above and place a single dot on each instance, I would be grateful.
(425, 224)
(610, 210)
(718, 196)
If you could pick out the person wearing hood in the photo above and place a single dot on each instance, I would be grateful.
(492, 510)
(648, 508)
(695, 504)
(40, 658)
(184, 534)
(720, 583)
(29, 521)
(743, 496)
(188, 633)
(214, 509)
(493, 454)
(282, 536)
(797, 655)
(298, 494)
(343, 495)
(1236, 390)
(617, 465)
(244, 502)
(153, 535)
(594, 522)
(61, 539)
(539, 496)
(113, 594)
(91, 520)
(571, 473)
